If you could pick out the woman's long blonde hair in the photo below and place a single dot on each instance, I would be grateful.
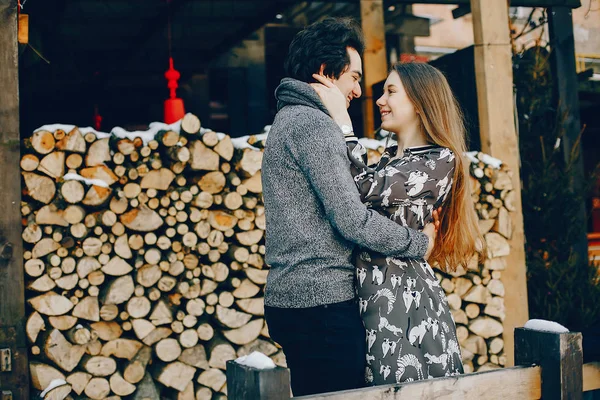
(442, 122)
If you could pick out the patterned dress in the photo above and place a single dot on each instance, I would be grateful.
(410, 332)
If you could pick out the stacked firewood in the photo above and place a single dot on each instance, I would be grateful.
(143, 261)
(145, 270)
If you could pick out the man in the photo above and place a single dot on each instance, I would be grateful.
(315, 217)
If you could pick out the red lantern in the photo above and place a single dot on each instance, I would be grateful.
(174, 109)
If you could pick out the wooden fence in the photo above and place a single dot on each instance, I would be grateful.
(549, 366)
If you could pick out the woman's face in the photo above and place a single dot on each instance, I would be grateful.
(397, 111)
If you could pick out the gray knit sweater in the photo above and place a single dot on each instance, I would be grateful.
(314, 214)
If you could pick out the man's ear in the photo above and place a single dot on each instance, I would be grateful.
(322, 70)
(322, 73)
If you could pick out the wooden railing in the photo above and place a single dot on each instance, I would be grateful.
(549, 366)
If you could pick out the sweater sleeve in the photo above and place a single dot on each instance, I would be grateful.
(318, 147)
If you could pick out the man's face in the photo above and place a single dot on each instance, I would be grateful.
(349, 81)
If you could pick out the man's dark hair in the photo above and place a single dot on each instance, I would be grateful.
(323, 42)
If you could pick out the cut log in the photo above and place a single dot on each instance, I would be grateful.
(213, 378)
(495, 308)
(246, 334)
(246, 290)
(486, 327)
(188, 338)
(99, 365)
(158, 179)
(258, 276)
(65, 355)
(96, 196)
(42, 284)
(231, 318)
(472, 310)
(119, 291)
(162, 314)
(29, 162)
(121, 348)
(203, 158)
(50, 215)
(98, 153)
(212, 183)
(225, 148)
(136, 369)
(250, 237)
(176, 375)
(195, 357)
(79, 335)
(35, 267)
(254, 184)
(67, 282)
(478, 294)
(43, 374)
(97, 389)
(87, 265)
(63, 322)
(497, 246)
(168, 350)
(74, 161)
(53, 164)
(100, 172)
(72, 142)
(476, 345)
(88, 309)
(254, 306)
(44, 247)
(190, 124)
(142, 219)
(43, 142)
(251, 162)
(156, 335)
(78, 381)
(496, 345)
(35, 324)
(117, 267)
(120, 386)
(51, 304)
(107, 331)
(122, 248)
(205, 332)
(496, 287)
(148, 275)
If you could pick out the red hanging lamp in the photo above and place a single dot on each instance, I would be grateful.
(174, 109)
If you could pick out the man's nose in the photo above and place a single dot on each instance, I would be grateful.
(357, 91)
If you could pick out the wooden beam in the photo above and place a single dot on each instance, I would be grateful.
(375, 66)
(494, 78)
(410, 25)
(561, 357)
(566, 84)
(514, 3)
(12, 300)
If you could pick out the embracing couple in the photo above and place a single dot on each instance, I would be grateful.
(351, 296)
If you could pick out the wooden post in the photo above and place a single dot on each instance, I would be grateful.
(12, 300)
(562, 43)
(247, 383)
(493, 70)
(374, 60)
(561, 357)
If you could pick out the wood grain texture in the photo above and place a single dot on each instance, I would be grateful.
(493, 69)
(12, 304)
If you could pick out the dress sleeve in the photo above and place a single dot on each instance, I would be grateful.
(420, 182)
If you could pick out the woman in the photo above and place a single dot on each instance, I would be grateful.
(411, 334)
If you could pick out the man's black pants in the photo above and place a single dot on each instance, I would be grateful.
(324, 346)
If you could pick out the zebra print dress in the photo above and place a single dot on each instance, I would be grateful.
(410, 332)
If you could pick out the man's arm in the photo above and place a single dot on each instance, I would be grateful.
(318, 146)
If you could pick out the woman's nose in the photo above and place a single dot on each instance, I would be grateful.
(380, 101)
